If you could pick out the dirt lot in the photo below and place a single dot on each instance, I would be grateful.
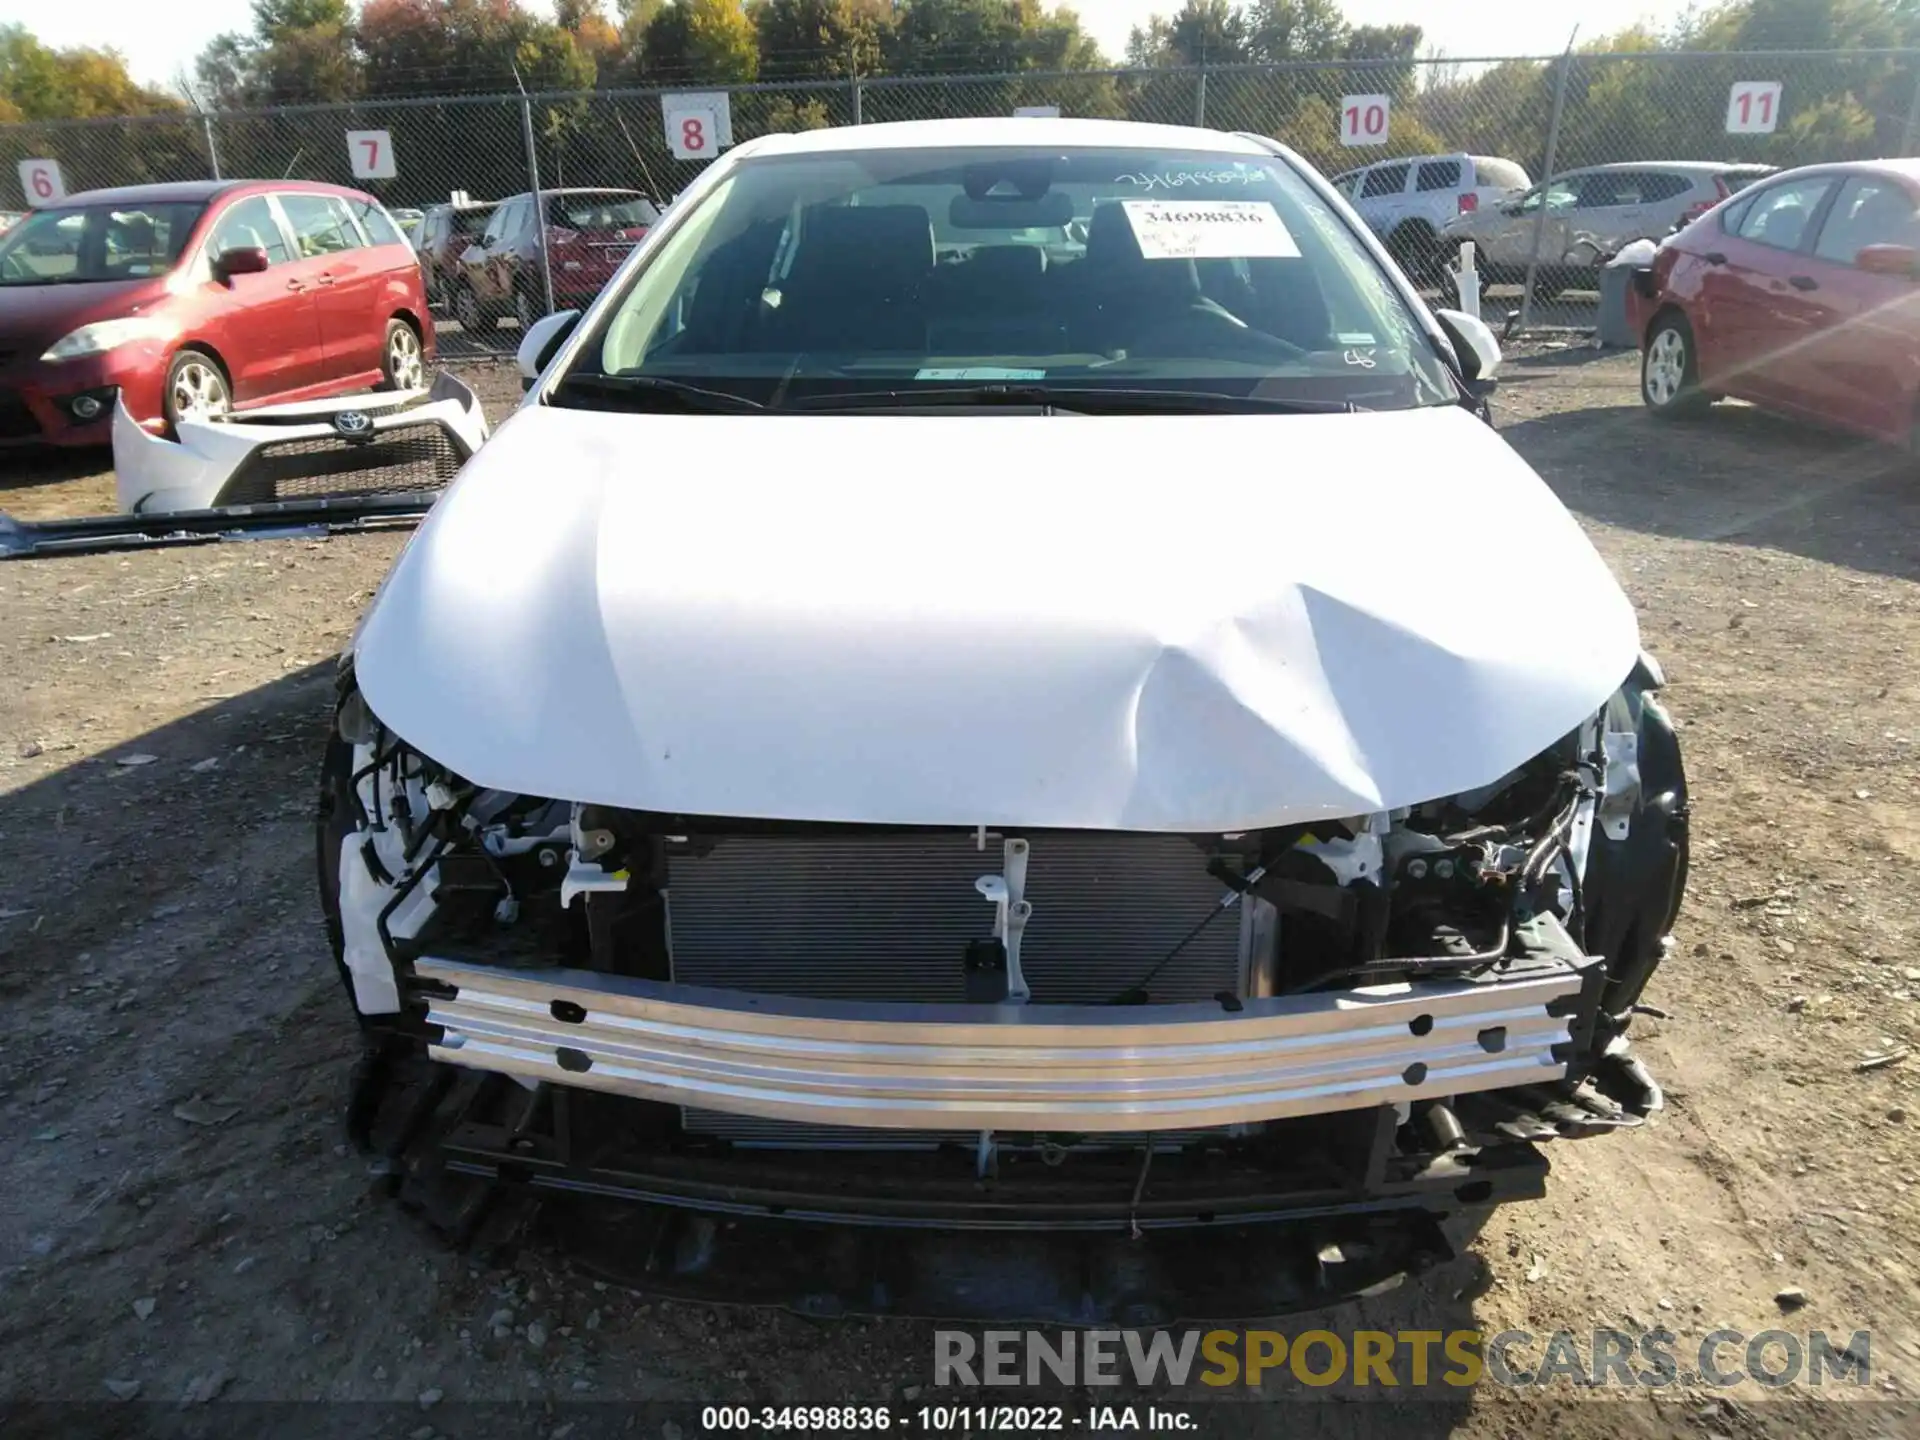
(178, 1213)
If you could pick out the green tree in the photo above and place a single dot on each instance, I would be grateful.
(700, 42)
(38, 82)
(821, 39)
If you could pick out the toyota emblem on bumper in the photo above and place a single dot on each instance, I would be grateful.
(353, 425)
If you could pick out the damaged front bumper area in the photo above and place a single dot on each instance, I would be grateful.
(805, 1064)
(1064, 1069)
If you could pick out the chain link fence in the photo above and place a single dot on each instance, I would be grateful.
(1548, 115)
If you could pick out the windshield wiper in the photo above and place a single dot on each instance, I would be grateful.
(633, 387)
(1088, 399)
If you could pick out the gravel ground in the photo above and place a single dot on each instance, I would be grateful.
(179, 1220)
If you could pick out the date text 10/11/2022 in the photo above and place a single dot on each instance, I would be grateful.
(938, 1419)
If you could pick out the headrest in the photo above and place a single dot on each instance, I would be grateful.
(1008, 264)
(887, 242)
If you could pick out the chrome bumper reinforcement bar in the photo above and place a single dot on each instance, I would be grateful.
(1010, 1067)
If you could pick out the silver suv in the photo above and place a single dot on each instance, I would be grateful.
(1592, 214)
(1409, 202)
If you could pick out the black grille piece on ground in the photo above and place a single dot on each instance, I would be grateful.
(407, 457)
(17, 422)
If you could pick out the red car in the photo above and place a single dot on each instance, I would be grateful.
(191, 299)
(587, 233)
(1801, 294)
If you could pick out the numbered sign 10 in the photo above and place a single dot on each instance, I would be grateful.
(1364, 119)
(1753, 107)
(42, 183)
(371, 153)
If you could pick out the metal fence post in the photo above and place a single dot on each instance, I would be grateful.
(539, 203)
(1546, 180)
(213, 150)
(858, 116)
(1911, 134)
(1200, 99)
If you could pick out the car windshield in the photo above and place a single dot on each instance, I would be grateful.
(613, 211)
(864, 271)
(96, 243)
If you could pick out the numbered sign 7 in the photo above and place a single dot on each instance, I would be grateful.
(1753, 107)
(371, 154)
(42, 183)
(1364, 119)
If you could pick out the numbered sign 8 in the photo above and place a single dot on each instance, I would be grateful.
(1754, 107)
(42, 183)
(693, 132)
(1364, 119)
(371, 154)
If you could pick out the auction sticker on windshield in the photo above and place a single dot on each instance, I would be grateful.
(1210, 230)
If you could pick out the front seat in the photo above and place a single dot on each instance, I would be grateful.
(858, 281)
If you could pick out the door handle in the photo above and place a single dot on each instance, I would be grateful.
(1804, 282)
(296, 284)
(326, 280)
(1714, 257)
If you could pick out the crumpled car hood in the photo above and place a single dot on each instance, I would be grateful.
(1179, 623)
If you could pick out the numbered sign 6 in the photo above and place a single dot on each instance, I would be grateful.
(1754, 107)
(41, 182)
(371, 153)
(693, 132)
(1364, 119)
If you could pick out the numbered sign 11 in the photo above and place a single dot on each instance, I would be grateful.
(371, 152)
(1753, 107)
(41, 182)
(1364, 119)
(699, 125)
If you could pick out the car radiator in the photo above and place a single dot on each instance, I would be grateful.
(889, 917)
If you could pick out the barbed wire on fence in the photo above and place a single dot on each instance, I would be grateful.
(1546, 114)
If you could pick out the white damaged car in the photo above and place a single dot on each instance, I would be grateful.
(999, 736)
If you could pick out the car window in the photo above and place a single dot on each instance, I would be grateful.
(1438, 175)
(1494, 174)
(1778, 217)
(1385, 180)
(376, 222)
(1560, 195)
(250, 225)
(500, 223)
(1658, 185)
(321, 224)
(1609, 189)
(611, 211)
(471, 222)
(97, 242)
(864, 270)
(1869, 211)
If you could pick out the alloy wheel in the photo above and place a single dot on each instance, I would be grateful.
(405, 368)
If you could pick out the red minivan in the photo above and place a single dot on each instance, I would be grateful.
(192, 299)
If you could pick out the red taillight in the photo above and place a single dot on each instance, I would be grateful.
(1469, 202)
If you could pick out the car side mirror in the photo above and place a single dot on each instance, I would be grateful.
(543, 341)
(1474, 347)
(241, 260)
(1900, 260)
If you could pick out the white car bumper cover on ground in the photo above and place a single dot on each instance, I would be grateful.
(197, 469)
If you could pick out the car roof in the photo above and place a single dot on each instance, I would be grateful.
(989, 131)
(1905, 167)
(181, 191)
(1678, 167)
(199, 191)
